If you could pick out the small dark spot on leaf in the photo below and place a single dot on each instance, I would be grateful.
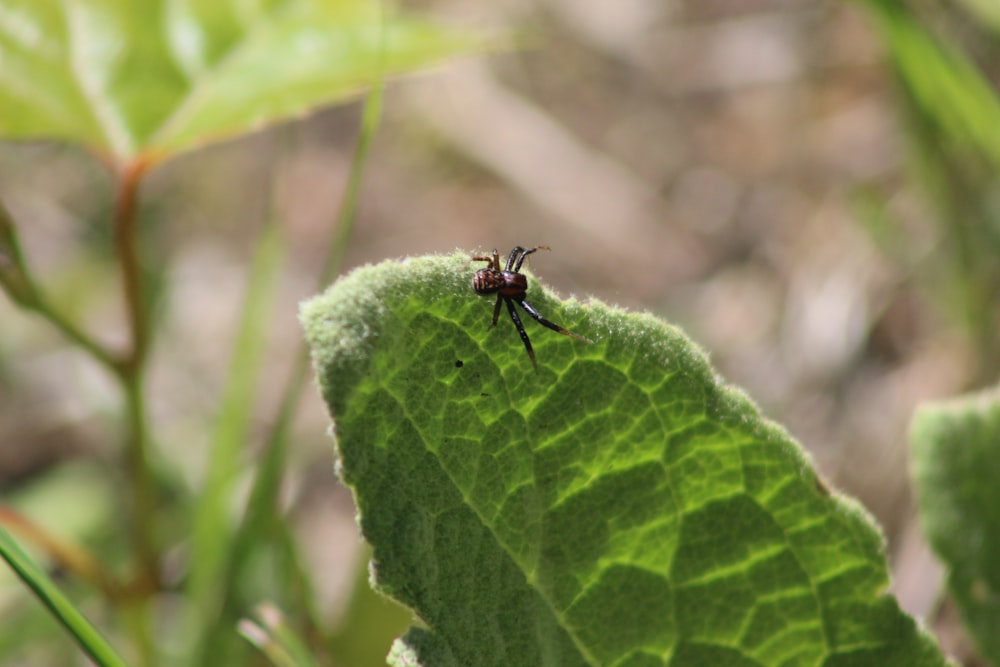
(485, 395)
(459, 363)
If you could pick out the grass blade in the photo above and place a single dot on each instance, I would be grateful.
(89, 638)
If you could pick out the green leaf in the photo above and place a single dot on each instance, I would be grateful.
(89, 638)
(150, 79)
(956, 463)
(621, 507)
(941, 79)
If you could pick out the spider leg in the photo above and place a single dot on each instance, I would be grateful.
(513, 257)
(528, 308)
(524, 253)
(496, 310)
(520, 330)
(494, 260)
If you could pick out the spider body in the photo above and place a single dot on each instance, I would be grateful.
(492, 281)
(510, 286)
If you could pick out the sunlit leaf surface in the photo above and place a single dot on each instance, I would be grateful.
(156, 77)
(622, 507)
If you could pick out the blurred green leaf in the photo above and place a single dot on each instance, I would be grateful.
(214, 525)
(956, 463)
(622, 507)
(987, 11)
(951, 111)
(149, 79)
(943, 81)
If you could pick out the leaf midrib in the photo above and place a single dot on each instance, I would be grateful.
(532, 582)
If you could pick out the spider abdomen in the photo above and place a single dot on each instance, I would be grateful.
(510, 286)
(491, 281)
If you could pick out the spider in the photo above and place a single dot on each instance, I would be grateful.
(510, 286)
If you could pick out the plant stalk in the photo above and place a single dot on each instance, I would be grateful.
(131, 371)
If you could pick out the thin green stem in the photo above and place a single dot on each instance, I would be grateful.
(346, 217)
(19, 284)
(128, 368)
(263, 512)
(263, 509)
(76, 335)
(127, 248)
(140, 488)
(212, 540)
(86, 635)
(274, 448)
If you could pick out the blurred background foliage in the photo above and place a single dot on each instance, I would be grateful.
(808, 188)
